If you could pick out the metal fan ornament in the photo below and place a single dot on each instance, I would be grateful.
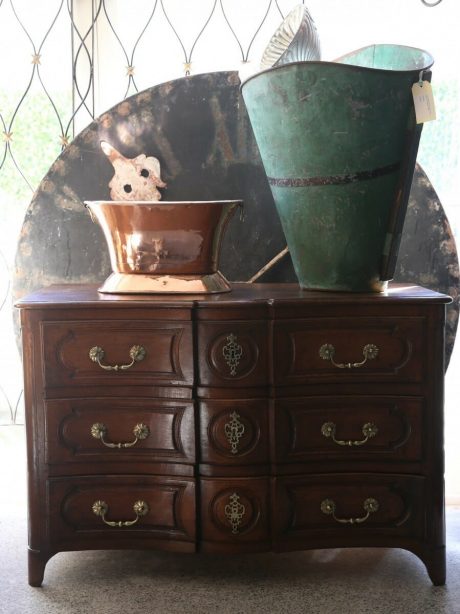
(296, 40)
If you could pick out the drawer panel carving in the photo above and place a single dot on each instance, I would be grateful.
(111, 507)
(234, 432)
(118, 430)
(349, 350)
(116, 353)
(235, 510)
(348, 428)
(233, 353)
(391, 504)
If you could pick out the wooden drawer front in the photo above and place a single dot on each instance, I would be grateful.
(351, 504)
(349, 428)
(233, 353)
(66, 347)
(170, 503)
(235, 511)
(164, 431)
(306, 349)
(234, 432)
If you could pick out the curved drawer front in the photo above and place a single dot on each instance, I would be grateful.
(117, 353)
(235, 510)
(323, 350)
(96, 506)
(351, 504)
(119, 430)
(349, 428)
(233, 353)
(234, 432)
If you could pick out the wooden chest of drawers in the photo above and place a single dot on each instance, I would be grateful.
(268, 418)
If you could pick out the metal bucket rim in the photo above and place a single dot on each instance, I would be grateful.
(424, 52)
(351, 67)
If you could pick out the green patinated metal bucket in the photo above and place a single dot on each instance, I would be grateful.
(339, 142)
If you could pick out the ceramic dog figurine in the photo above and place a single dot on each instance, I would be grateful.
(135, 178)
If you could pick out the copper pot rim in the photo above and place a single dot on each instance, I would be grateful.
(150, 203)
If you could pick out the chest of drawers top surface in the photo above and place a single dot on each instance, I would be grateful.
(278, 296)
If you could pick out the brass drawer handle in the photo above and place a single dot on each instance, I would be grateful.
(370, 506)
(100, 508)
(327, 351)
(369, 430)
(136, 353)
(140, 431)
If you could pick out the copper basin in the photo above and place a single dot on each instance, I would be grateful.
(163, 246)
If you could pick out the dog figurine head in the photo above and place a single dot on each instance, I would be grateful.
(135, 178)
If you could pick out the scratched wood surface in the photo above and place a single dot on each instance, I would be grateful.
(199, 130)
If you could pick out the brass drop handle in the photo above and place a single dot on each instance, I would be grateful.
(136, 353)
(370, 506)
(100, 508)
(327, 352)
(369, 430)
(140, 431)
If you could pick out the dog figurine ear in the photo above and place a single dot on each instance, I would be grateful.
(110, 151)
(135, 178)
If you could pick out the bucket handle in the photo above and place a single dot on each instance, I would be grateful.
(398, 211)
(90, 213)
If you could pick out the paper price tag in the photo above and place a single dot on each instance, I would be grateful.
(424, 102)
